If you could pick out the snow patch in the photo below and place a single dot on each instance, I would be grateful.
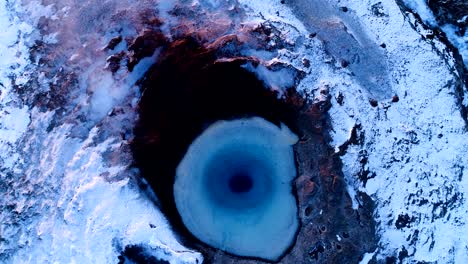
(367, 258)
(414, 146)
(69, 193)
(420, 7)
(452, 32)
(460, 42)
(278, 80)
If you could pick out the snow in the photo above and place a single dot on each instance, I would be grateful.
(460, 42)
(14, 123)
(109, 90)
(63, 201)
(420, 7)
(70, 195)
(415, 146)
(14, 116)
(367, 258)
(411, 161)
(278, 80)
(85, 218)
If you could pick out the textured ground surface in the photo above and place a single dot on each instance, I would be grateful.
(67, 111)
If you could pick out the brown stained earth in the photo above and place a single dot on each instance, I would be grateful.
(198, 80)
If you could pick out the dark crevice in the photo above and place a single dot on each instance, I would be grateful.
(134, 254)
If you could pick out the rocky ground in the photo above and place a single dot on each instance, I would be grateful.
(378, 90)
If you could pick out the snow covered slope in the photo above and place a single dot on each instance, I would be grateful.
(67, 195)
(408, 152)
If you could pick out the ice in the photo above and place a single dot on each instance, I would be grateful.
(350, 45)
(255, 219)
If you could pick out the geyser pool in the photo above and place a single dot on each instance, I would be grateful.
(233, 188)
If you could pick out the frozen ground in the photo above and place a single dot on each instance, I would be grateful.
(63, 198)
(412, 151)
(69, 197)
(454, 28)
(409, 152)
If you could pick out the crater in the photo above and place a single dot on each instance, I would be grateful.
(198, 83)
(187, 95)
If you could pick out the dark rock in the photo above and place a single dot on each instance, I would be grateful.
(378, 10)
(390, 260)
(344, 63)
(113, 43)
(343, 9)
(402, 255)
(139, 255)
(403, 220)
(144, 46)
(113, 62)
(450, 11)
(340, 98)
(316, 251)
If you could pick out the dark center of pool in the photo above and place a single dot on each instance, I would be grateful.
(240, 183)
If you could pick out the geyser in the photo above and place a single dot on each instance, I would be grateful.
(233, 188)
